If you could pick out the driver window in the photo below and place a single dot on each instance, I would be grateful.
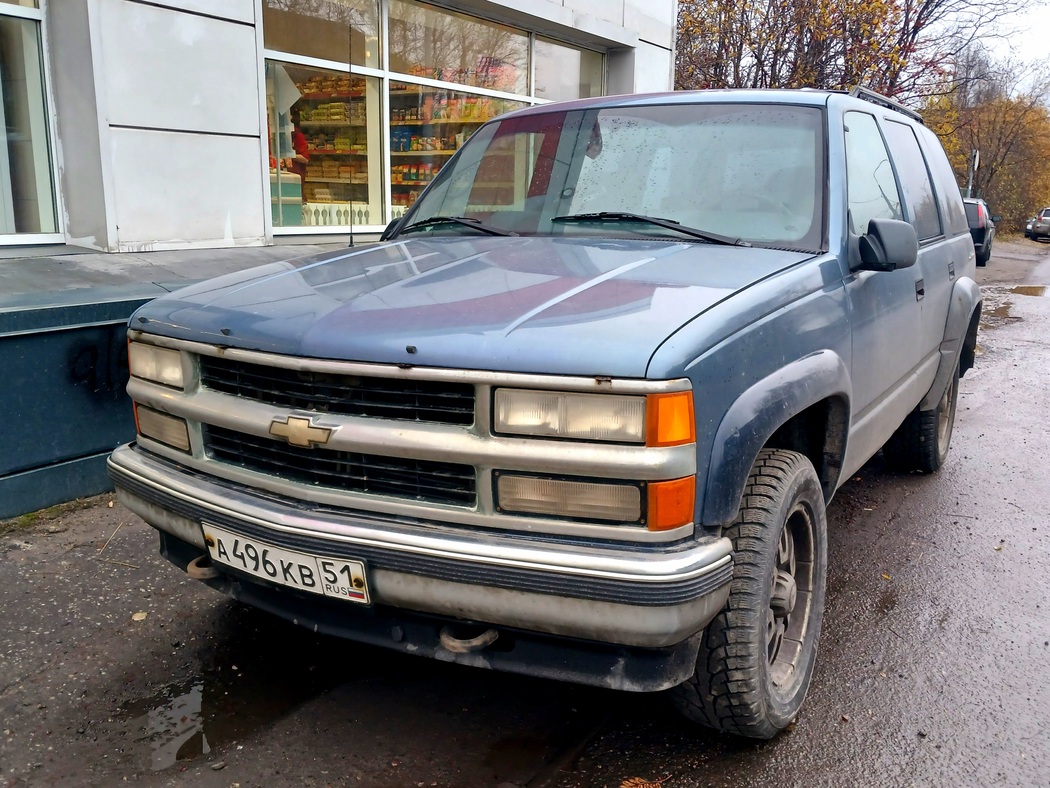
(871, 186)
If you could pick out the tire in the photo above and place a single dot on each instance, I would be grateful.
(922, 441)
(984, 257)
(756, 657)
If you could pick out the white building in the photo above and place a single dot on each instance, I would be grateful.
(179, 124)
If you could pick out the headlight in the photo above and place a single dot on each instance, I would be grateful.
(551, 414)
(655, 420)
(158, 364)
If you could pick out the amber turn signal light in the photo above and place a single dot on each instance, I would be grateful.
(669, 419)
(671, 503)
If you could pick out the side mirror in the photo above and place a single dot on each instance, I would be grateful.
(391, 229)
(997, 219)
(888, 245)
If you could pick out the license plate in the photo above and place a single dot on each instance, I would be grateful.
(334, 577)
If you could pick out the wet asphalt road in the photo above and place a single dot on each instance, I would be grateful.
(934, 666)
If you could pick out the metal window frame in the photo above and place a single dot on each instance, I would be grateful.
(59, 235)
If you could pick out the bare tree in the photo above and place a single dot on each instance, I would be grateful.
(904, 48)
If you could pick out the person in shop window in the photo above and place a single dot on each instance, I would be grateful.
(299, 145)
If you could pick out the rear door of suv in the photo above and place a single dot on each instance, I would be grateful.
(943, 251)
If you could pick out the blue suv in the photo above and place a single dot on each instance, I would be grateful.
(580, 413)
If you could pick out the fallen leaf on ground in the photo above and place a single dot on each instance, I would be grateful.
(140, 616)
(641, 782)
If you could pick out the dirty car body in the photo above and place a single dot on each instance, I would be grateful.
(528, 430)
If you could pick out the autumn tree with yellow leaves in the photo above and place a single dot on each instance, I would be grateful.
(1002, 111)
(925, 53)
(902, 48)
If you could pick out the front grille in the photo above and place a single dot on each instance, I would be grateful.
(348, 395)
(417, 480)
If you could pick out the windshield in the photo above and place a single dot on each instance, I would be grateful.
(743, 171)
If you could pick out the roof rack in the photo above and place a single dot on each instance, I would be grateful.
(877, 98)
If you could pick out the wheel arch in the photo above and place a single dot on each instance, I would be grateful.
(802, 407)
(959, 344)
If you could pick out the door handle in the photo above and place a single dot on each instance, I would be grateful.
(920, 289)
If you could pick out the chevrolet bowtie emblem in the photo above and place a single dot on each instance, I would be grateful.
(300, 432)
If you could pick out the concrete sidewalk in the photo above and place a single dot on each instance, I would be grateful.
(37, 276)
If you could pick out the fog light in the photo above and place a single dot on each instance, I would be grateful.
(169, 430)
(610, 502)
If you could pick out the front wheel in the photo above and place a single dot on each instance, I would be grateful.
(921, 442)
(756, 657)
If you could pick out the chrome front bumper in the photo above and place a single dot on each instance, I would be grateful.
(632, 595)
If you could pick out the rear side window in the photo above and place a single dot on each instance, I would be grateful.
(948, 194)
(870, 184)
(915, 180)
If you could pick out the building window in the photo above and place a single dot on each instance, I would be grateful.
(565, 72)
(451, 47)
(336, 30)
(427, 126)
(334, 85)
(27, 194)
(325, 161)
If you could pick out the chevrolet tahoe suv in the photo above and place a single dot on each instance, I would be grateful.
(580, 413)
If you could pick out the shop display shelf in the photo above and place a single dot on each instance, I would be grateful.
(330, 124)
(438, 122)
(336, 180)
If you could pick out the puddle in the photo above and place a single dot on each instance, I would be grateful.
(1001, 312)
(253, 674)
(998, 306)
(175, 728)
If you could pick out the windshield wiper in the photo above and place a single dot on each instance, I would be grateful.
(670, 224)
(466, 221)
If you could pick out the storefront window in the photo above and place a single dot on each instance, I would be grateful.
(27, 197)
(325, 161)
(344, 31)
(330, 164)
(565, 72)
(427, 126)
(436, 44)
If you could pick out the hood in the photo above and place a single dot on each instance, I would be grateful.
(544, 305)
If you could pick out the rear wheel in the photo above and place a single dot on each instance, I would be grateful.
(984, 257)
(756, 658)
(921, 442)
